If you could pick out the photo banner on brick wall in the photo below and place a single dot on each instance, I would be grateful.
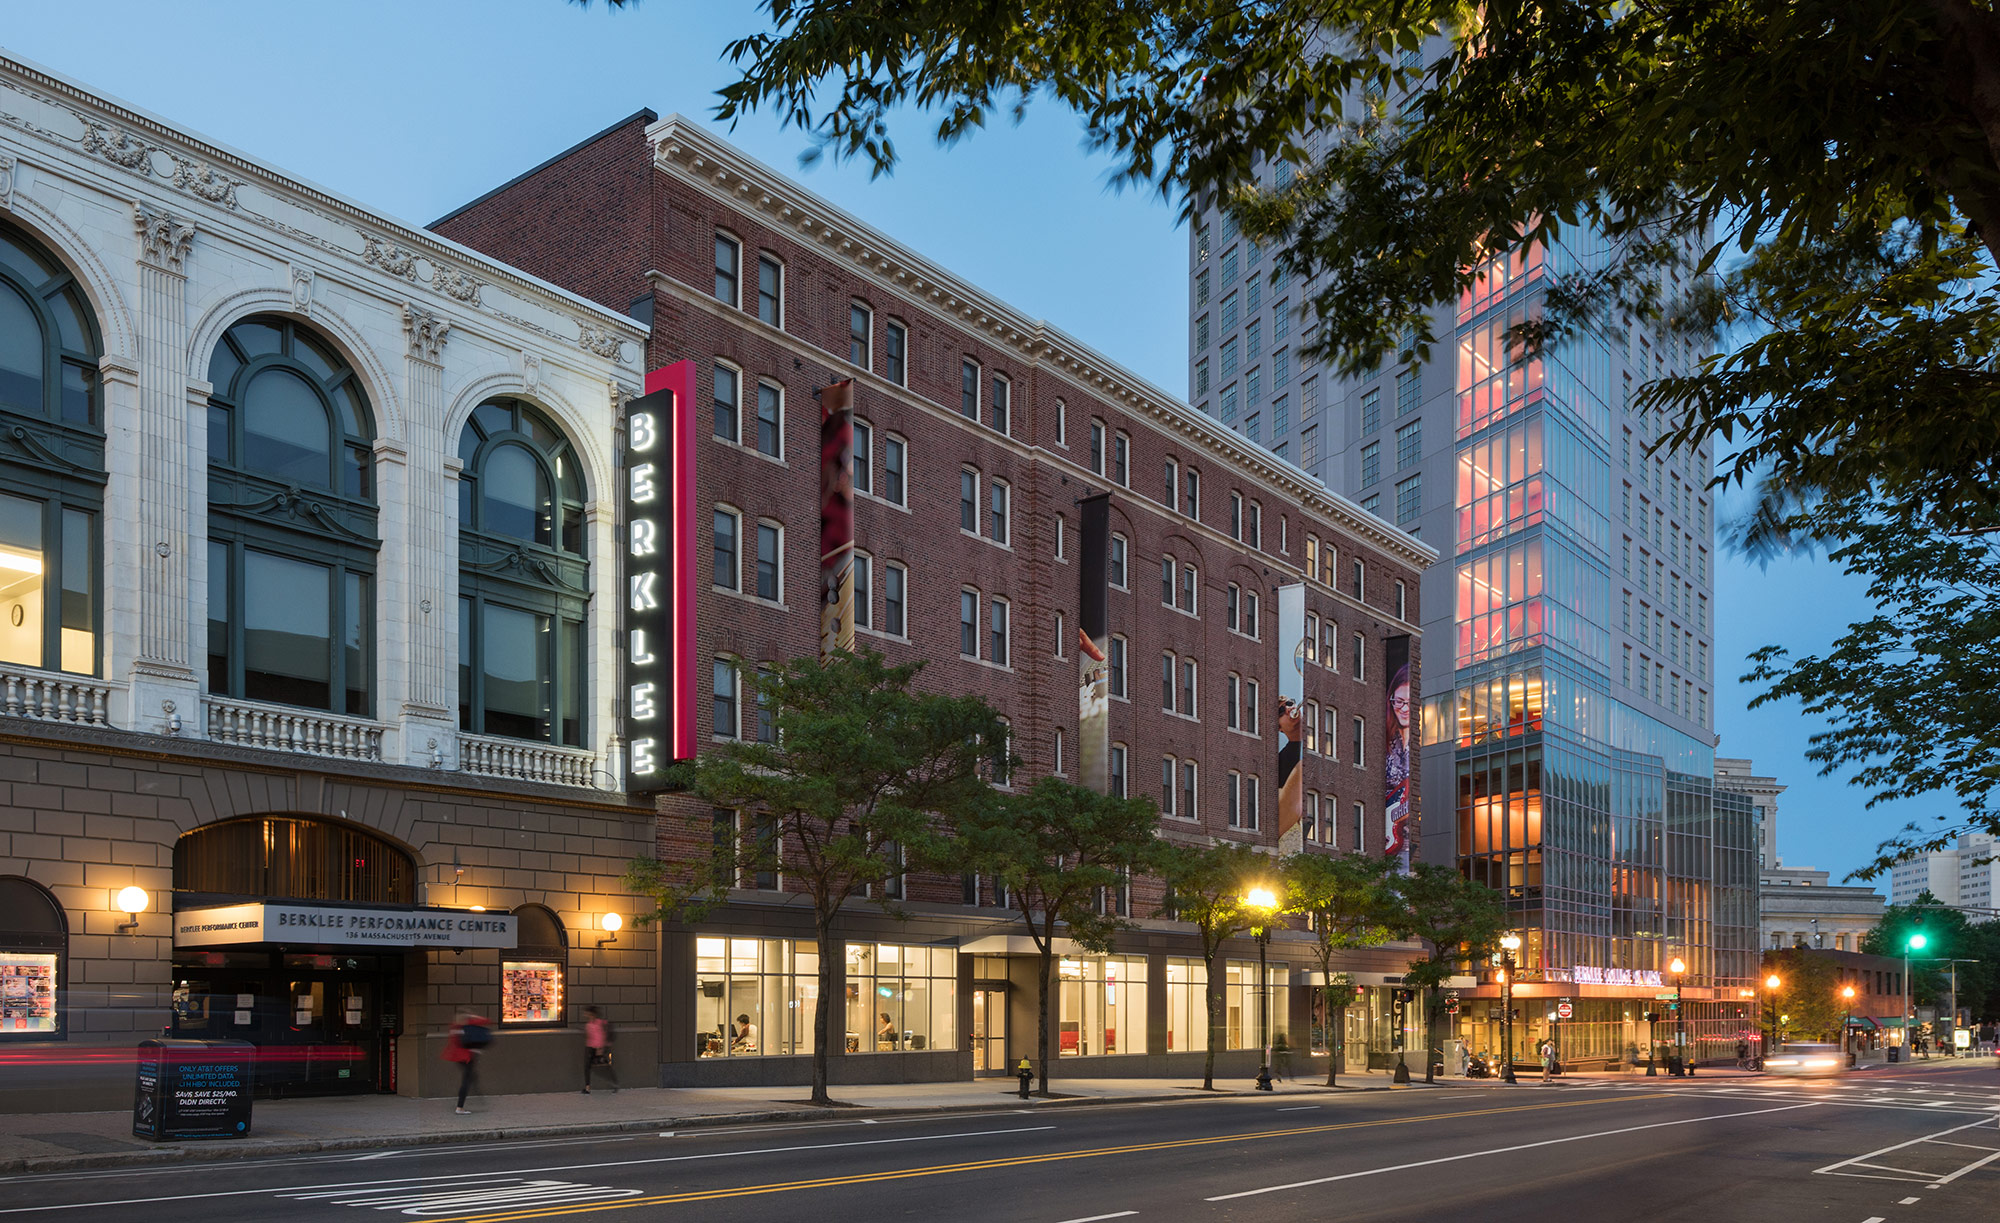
(836, 517)
(1291, 711)
(1397, 807)
(1093, 644)
(658, 609)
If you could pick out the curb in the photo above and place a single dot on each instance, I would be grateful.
(228, 1150)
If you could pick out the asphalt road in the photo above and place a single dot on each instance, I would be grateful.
(1867, 1149)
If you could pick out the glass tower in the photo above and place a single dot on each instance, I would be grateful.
(1568, 751)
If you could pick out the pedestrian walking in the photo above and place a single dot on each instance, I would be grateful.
(1548, 1051)
(1742, 1055)
(598, 1035)
(469, 1038)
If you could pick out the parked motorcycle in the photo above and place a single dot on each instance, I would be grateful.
(1477, 1067)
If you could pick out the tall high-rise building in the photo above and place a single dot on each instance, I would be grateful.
(1568, 724)
(1966, 876)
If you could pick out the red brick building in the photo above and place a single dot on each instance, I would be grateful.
(978, 429)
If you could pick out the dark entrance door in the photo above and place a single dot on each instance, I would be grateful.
(323, 1023)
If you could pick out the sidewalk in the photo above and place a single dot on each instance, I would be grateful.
(50, 1142)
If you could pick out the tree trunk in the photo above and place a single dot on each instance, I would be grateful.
(822, 1010)
(1214, 1025)
(1430, 1034)
(1336, 1027)
(1042, 1023)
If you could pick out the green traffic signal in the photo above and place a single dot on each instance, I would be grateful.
(1918, 942)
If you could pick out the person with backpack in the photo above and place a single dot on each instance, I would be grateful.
(598, 1035)
(469, 1038)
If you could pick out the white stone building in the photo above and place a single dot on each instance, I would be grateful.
(304, 518)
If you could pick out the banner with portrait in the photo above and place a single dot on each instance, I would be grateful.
(1397, 795)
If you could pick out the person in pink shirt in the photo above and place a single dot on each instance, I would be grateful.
(598, 1035)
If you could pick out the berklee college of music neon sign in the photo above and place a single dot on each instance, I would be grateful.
(658, 608)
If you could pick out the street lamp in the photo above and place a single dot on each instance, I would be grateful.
(1916, 942)
(1846, 1012)
(1773, 984)
(1510, 943)
(1679, 969)
(1264, 903)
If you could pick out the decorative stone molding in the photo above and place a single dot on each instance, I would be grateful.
(392, 259)
(425, 331)
(164, 239)
(214, 187)
(599, 342)
(7, 167)
(302, 289)
(126, 151)
(531, 372)
(457, 284)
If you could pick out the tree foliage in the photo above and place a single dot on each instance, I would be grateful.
(1948, 935)
(861, 769)
(1848, 152)
(1459, 921)
(1345, 901)
(1057, 849)
(1808, 1003)
(1910, 697)
(1206, 885)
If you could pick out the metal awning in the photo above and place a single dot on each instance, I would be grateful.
(1863, 1022)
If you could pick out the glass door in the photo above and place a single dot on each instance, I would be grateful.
(989, 1031)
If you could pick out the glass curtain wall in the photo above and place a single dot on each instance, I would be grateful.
(901, 999)
(1187, 1006)
(1102, 1005)
(754, 997)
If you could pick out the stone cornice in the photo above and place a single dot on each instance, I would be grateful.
(689, 152)
(123, 138)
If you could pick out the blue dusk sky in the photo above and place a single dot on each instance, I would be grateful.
(414, 107)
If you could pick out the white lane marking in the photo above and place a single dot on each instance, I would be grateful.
(1298, 1108)
(1909, 1201)
(867, 1121)
(666, 1133)
(1869, 1156)
(500, 1194)
(1100, 1218)
(1974, 1166)
(1526, 1146)
(445, 1180)
(1875, 1219)
(376, 1155)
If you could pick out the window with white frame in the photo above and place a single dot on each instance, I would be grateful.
(1235, 515)
(864, 457)
(1402, 601)
(1117, 566)
(1190, 677)
(1251, 786)
(1061, 531)
(860, 334)
(1360, 670)
(968, 622)
(1061, 758)
(1097, 446)
(1062, 424)
(896, 352)
(727, 403)
(725, 712)
(999, 510)
(771, 419)
(1232, 606)
(894, 452)
(968, 389)
(1170, 472)
(1329, 718)
(1329, 640)
(1251, 618)
(1121, 460)
(1232, 701)
(1253, 525)
(1062, 635)
(1169, 577)
(770, 560)
(999, 625)
(1191, 493)
(895, 578)
(1309, 725)
(1167, 676)
(1190, 808)
(864, 590)
(1311, 641)
(770, 290)
(1170, 780)
(1118, 770)
(1360, 580)
(728, 269)
(1000, 414)
(968, 500)
(1190, 590)
(727, 555)
(1115, 665)
(1232, 793)
(1358, 746)
(1249, 706)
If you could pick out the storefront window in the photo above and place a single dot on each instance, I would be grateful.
(754, 997)
(1187, 1006)
(532, 986)
(1243, 1004)
(900, 998)
(1103, 1005)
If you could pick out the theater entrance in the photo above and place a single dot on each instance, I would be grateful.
(324, 1020)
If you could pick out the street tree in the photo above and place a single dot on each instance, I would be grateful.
(1057, 850)
(1206, 885)
(1848, 154)
(1345, 901)
(1948, 935)
(857, 766)
(1808, 1003)
(1458, 920)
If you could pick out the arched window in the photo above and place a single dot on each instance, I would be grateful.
(533, 978)
(51, 463)
(34, 969)
(293, 857)
(291, 529)
(523, 577)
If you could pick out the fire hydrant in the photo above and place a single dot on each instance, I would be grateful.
(1027, 1074)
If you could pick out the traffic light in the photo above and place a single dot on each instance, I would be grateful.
(1652, 1017)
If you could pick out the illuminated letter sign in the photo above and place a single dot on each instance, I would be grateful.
(658, 609)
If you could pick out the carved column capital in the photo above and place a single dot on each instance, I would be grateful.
(164, 239)
(425, 332)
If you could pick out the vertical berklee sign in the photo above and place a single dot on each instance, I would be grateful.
(1291, 710)
(658, 499)
(1396, 805)
(1093, 644)
(836, 517)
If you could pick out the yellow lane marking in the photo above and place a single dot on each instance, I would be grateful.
(864, 1178)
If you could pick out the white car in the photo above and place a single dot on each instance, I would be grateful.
(1806, 1059)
